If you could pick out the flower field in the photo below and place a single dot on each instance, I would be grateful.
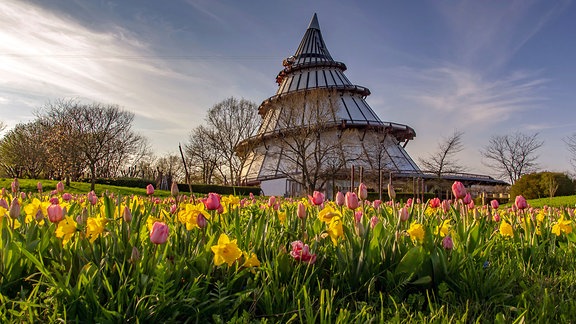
(108, 258)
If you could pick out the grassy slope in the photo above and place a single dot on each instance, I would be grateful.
(29, 185)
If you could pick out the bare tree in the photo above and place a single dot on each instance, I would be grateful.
(443, 160)
(21, 153)
(570, 142)
(230, 122)
(100, 135)
(309, 147)
(512, 155)
(201, 155)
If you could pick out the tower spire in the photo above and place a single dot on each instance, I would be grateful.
(314, 23)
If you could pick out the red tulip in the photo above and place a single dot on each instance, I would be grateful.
(212, 202)
(317, 198)
(159, 233)
(494, 203)
(458, 190)
(434, 202)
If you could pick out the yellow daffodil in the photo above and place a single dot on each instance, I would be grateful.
(66, 229)
(282, 217)
(95, 227)
(335, 229)
(443, 229)
(416, 232)
(328, 213)
(506, 229)
(231, 200)
(562, 226)
(250, 260)
(189, 215)
(226, 251)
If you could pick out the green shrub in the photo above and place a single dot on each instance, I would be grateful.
(542, 184)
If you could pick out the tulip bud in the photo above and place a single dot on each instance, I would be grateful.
(496, 217)
(127, 214)
(362, 191)
(67, 197)
(458, 190)
(213, 201)
(149, 189)
(340, 199)
(358, 216)
(494, 203)
(271, 201)
(446, 205)
(201, 221)
(404, 214)
(351, 200)
(174, 191)
(135, 255)
(301, 210)
(391, 192)
(23, 195)
(447, 243)
(54, 200)
(376, 204)
(374, 221)
(14, 209)
(39, 216)
(467, 199)
(39, 186)
(359, 228)
(55, 213)
(317, 198)
(15, 185)
(520, 202)
(3, 203)
(60, 187)
(173, 208)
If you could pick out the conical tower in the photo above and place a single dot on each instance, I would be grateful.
(318, 125)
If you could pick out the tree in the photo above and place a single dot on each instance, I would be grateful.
(21, 152)
(443, 159)
(97, 135)
(230, 122)
(309, 147)
(512, 155)
(201, 154)
(542, 184)
(570, 142)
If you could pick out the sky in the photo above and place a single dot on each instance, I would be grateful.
(484, 68)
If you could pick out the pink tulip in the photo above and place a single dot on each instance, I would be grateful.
(3, 203)
(404, 214)
(159, 233)
(201, 221)
(374, 221)
(39, 186)
(67, 197)
(301, 210)
(60, 187)
(521, 202)
(15, 185)
(301, 252)
(471, 205)
(358, 216)
(271, 201)
(496, 217)
(54, 200)
(55, 213)
(409, 202)
(23, 195)
(212, 202)
(174, 191)
(376, 204)
(149, 189)
(494, 203)
(351, 200)
(340, 200)
(14, 208)
(317, 198)
(173, 208)
(127, 215)
(447, 243)
(391, 192)
(446, 205)
(362, 191)
(467, 198)
(458, 190)
(93, 199)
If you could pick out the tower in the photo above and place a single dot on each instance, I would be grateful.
(317, 126)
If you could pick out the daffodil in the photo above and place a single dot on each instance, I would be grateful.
(226, 251)
(250, 260)
(562, 226)
(506, 229)
(328, 213)
(95, 227)
(335, 229)
(443, 229)
(189, 215)
(66, 229)
(416, 232)
(282, 217)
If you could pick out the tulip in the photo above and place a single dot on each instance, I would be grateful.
(467, 198)
(494, 203)
(362, 191)
(54, 200)
(60, 187)
(127, 215)
(409, 202)
(521, 203)
(351, 200)
(39, 186)
(447, 243)
(358, 216)
(458, 190)
(376, 204)
(212, 202)
(271, 201)
(174, 191)
(496, 217)
(471, 205)
(55, 213)
(14, 208)
(391, 192)
(446, 205)
(340, 200)
(135, 256)
(317, 198)
(301, 210)
(159, 233)
(301, 252)
(149, 189)
(434, 202)
(3, 203)
(374, 221)
(15, 185)
(23, 195)
(173, 208)
(404, 214)
(201, 221)
(67, 197)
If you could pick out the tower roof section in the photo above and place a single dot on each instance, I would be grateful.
(312, 47)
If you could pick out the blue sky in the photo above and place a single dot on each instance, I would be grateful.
(481, 67)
